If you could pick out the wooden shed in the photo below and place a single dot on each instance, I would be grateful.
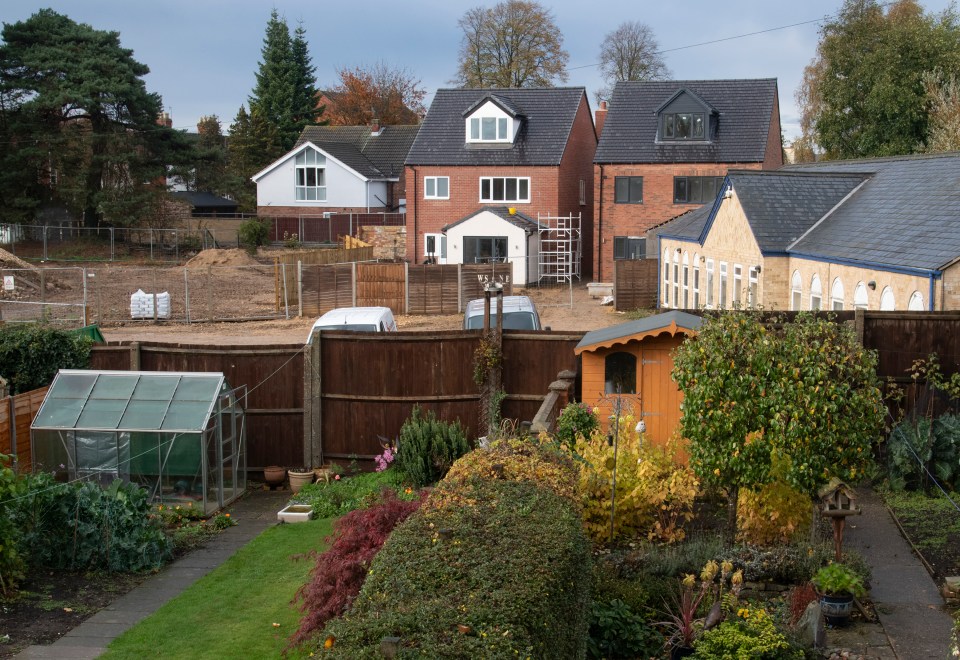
(635, 361)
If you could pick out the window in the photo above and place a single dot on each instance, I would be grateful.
(860, 296)
(435, 248)
(916, 302)
(816, 293)
(629, 247)
(620, 373)
(436, 187)
(696, 281)
(737, 284)
(887, 302)
(696, 189)
(504, 189)
(723, 285)
(753, 277)
(709, 283)
(583, 192)
(676, 279)
(628, 190)
(484, 249)
(686, 281)
(682, 126)
(836, 295)
(666, 278)
(488, 129)
(310, 181)
(796, 292)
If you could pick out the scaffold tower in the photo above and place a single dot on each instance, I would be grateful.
(560, 248)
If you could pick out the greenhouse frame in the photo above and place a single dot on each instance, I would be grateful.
(179, 435)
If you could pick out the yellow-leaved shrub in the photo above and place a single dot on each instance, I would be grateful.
(654, 494)
(774, 514)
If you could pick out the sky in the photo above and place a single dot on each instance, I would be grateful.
(203, 54)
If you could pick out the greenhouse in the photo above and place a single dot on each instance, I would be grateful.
(181, 436)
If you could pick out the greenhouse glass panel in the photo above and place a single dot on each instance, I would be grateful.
(101, 413)
(114, 388)
(156, 388)
(143, 414)
(73, 386)
(185, 415)
(197, 389)
(63, 414)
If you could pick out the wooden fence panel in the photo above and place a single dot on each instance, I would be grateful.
(635, 284)
(16, 417)
(381, 285)
(434, 289)
(531, 362)
(900, 338)
(316, 257)
(475, 276)
(326, 287)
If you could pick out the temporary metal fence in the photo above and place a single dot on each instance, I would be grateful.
(328, 227)
(52, 295)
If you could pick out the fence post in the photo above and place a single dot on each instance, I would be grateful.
(186, 292)
(406, 287)
(459, 288)
(286, 305)
(112, 253)
(83, 274)
(353, 279)
(151, 244)
(299, 288)
(45, 243)
(12, 404)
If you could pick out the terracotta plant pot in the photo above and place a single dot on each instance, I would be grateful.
(274, 475)
(299, 479)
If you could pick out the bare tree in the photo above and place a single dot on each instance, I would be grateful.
(631, 52)
(512, 44)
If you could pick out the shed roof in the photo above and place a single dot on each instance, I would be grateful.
(673, 322)
(113, 401)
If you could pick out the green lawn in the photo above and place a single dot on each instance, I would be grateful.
(231, 612)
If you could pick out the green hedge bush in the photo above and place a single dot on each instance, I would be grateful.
(428, 446)
(31, 354)
(486, 568)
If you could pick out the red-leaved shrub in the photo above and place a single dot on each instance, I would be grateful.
(798, 598)
(341, 570)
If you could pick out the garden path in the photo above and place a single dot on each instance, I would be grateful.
(907, 601)
(254, 513)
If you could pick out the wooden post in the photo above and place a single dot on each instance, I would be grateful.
(312, 412)
(134, 356)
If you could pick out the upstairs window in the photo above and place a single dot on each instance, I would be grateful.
(488, 129)
(628, 190)
(629, 247)
(310, 181)
(682, 126)
(504, 189)
(490, 124)
(436, 187)
(696, 189)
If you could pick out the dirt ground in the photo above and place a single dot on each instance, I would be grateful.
(553, 304)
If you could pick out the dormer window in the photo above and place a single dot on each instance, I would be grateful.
(683, 126)
(488, 129)
(492, 120)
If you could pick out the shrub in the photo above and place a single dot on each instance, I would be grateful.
(80, 526)
(790, 564)
(31, 354)
(576, 420)
(798, 598)
(617, 632)
(935, 443)
(836, 580)
(340, 571)
(751, 634)
(428, 447)
(253, 233)
(773, 514)
(520, 460)
(486, 568)
(11, 561)
(341, 496)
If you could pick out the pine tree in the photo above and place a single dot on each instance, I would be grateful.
(305, 109)
(253, 145)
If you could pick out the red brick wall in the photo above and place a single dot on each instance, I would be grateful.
(635, 219)
(773, 157)
(577, 165)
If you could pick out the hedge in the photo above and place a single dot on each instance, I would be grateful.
(486, 568)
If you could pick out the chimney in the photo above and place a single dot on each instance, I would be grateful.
(600, 116)
(375, 126)
(165, 120)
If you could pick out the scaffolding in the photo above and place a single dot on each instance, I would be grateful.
(560, 249)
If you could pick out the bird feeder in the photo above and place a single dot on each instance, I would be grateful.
(838, 501)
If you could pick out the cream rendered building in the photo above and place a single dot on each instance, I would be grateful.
(879, 234)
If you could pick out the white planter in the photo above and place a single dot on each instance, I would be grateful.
(294, 513)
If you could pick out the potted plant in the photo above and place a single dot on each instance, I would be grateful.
(837, 586)
(274, 475)
(683, 625)
(299, 477)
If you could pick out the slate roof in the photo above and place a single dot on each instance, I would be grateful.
(374, 156)
(688, 225)
(745, 110)
(906, 215)
(518, 219)
(548, 117)
(644, 326)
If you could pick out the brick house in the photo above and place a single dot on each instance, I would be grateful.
(530, 150)
(337, 169)
(878, 234)
(664, 149)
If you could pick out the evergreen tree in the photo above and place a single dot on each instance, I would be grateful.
(75, 106)
(253, 145)
(210, 172)
(305, 108)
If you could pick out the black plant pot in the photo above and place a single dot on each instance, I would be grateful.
(677, 652)
(836, 608)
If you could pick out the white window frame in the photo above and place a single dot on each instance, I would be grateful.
(888, 302)
(796, 292)
(916, 302)
(696, 281)
(816, 293)
(686, 281)
(438, 239)
(492, 179)
(489, 116)
(435, 180)
(753, 286)
(304, 163)
(860, 297)
(710, 295)
(737, 284)
(723, 285)
(676, 279)
(666, 278)
(836, 295)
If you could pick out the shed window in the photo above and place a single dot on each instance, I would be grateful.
(620, 373)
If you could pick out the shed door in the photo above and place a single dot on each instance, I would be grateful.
(659, 404)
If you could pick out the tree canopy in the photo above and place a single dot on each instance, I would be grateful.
(390, 94)
(631, 52)
(515, 43)
(80, 124)
(286, 88)
(253, 145)
(863, 94)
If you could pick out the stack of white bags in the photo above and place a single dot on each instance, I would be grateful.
(141, 305)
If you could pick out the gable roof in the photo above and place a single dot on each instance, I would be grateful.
(204, 199)
(673, 322)
(502, 103)
(549, 115)
(906, 215)
(745, 109)
(518, 219)
(383, 152)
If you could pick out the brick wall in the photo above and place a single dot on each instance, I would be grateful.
(577, 166)
(389, 243)
(773, 158)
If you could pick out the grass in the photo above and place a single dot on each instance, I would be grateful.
(930, 521)
(233, 611)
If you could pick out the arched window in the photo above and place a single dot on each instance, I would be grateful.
(836, 295)
(666, 278)
(686, 280)
(620, 373)
(916, 302)
(887, 303)
(696, 281)
(816, 293)
(860, 296)
(676, 278)
(796, 292)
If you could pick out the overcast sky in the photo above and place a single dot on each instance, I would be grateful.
(203, 54)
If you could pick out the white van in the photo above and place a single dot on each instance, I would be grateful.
(519, 313)
(359, 319)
